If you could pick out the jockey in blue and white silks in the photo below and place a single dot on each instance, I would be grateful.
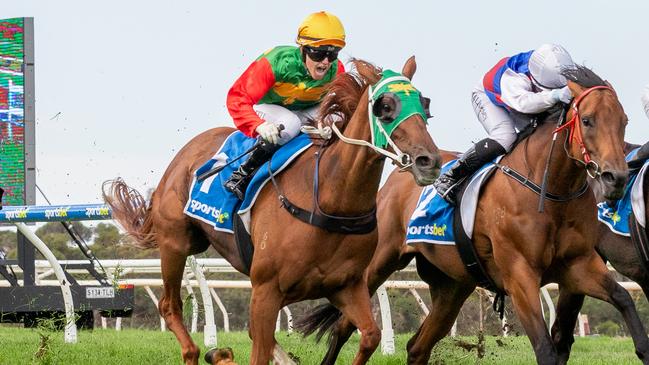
(529, 83)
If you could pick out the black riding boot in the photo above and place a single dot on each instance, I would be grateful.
(238, 182)
(481, 153)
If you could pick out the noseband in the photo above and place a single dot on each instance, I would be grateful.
(592, 167)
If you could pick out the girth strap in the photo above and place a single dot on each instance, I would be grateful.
(640, 241)
(472, 263)
(537, 189)
(347, 225)
(362, 224)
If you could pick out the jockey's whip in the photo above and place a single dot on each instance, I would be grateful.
(544, 183)
(217, 169)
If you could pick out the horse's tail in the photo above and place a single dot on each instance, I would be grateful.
(321, 320)
(131, 211)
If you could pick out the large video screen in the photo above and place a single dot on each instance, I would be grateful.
(12, 110)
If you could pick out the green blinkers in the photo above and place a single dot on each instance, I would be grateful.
(392, 100)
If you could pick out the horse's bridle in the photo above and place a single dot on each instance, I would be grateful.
(402, 159)
(592, 167)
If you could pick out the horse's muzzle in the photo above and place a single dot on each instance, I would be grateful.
(614, 183)
(426, 168)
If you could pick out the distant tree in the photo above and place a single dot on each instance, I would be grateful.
(608, 328)
(56, 227)
(107, 234)
(8, 241)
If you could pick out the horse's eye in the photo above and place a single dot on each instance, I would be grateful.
(387, 107)
(586, 122)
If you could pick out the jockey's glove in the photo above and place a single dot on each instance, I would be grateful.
(563, 95)
(269, 132)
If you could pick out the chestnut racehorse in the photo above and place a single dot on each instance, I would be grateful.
(619, 250)
(292, 260)
(520, 248)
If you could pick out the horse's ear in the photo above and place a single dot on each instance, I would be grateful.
(575, 88)
(409, 68)
(611, 86)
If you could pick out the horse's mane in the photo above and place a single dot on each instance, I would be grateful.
(344, 92)
(583, 76)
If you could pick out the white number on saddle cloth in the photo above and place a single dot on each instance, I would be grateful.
(428, 193)
(220, 159)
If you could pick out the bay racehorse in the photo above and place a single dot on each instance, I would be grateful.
(292, 260)
(519, 248)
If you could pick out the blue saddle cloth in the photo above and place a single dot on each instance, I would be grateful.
(432, 220)
(617, 217)
(211, 203)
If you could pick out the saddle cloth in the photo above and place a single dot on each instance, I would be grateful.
(211, 203)
(616, 218)
(432, 220)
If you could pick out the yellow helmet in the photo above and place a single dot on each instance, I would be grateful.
(321, 29)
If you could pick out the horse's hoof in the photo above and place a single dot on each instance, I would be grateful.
(220, 356)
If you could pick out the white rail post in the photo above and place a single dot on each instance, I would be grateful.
(155, 301)
(224, 312)
(190, 290)
(548, 300)
(209, 331)
(387, 333)
(70, 335)
(289, 319)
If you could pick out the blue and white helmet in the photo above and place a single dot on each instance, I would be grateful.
(546, 64)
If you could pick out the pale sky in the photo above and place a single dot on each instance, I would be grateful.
(134, 80)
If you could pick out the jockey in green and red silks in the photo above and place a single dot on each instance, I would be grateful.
(284, 87)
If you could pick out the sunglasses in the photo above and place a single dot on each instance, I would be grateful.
(318, 55)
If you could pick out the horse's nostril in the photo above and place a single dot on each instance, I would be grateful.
(608, 178)
(614, 178)
(424, 161)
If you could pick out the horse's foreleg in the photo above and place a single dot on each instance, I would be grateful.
(354, 303)
(562, 330)
(523, 285)
(589, 275)
(447, 297)
(265, 304)
(170, 306)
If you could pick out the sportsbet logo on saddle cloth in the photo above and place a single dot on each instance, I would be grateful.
(432, 220)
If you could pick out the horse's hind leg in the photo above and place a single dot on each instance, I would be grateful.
(447, 296)
(354, 303)
(384, 263)
(172, 264)
(589, 275)
(563, 328)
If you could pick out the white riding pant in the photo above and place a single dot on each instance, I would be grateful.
(496, 120)
(292, 120)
